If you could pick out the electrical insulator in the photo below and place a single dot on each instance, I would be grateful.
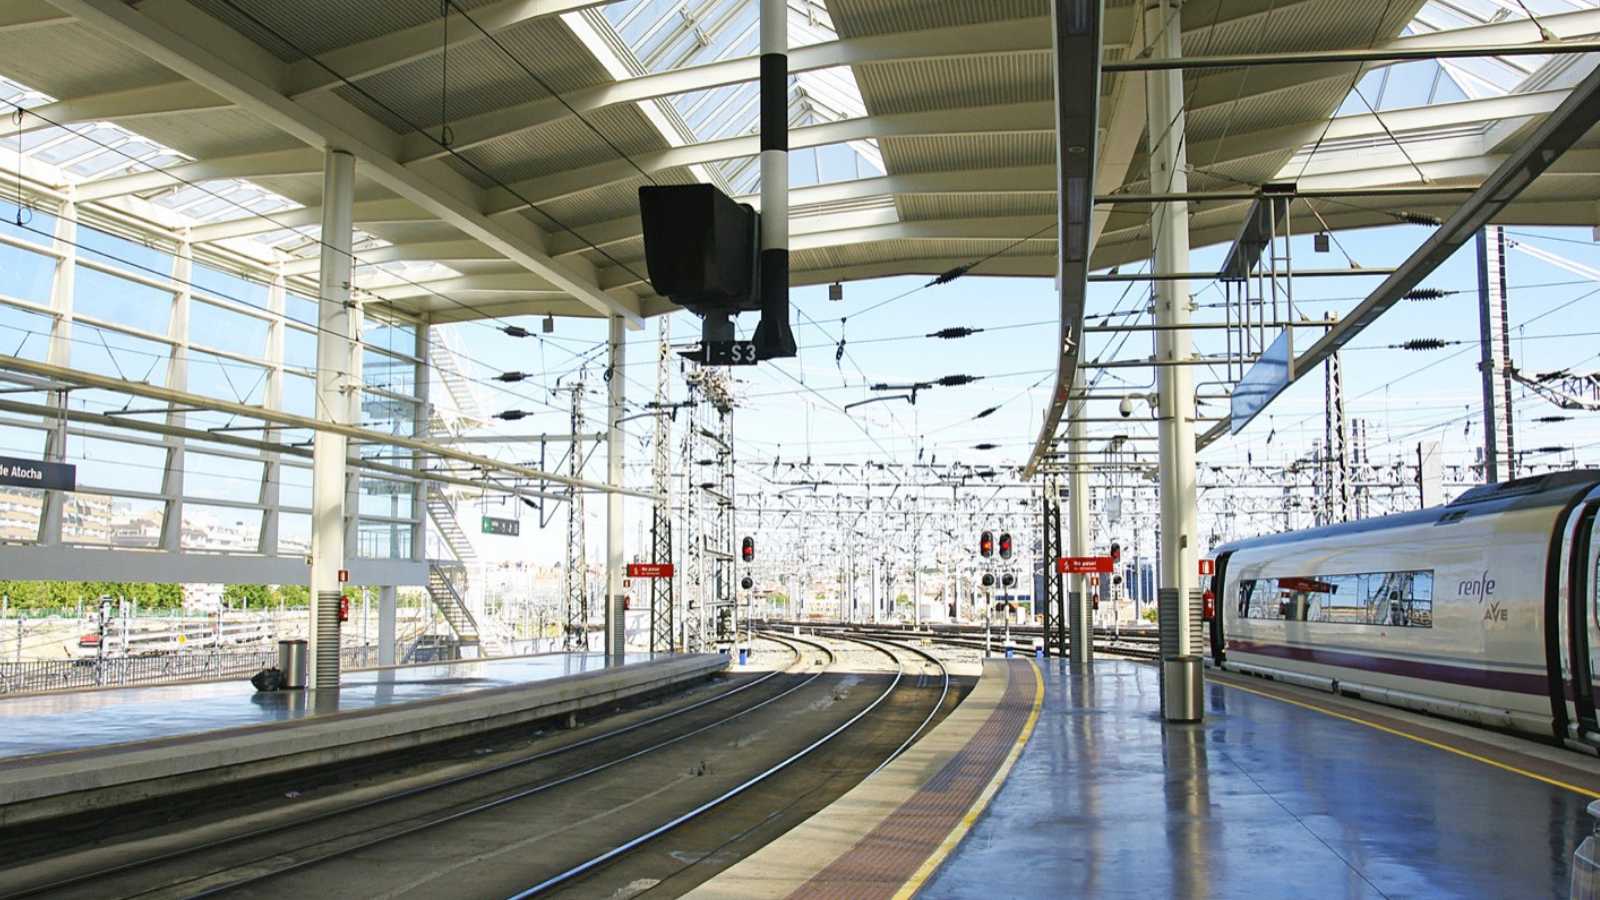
(986, 544)
(1005, 545)
(747, 549)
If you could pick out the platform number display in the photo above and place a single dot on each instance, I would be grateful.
(728, 353)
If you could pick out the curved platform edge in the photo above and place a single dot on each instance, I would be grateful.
(890, 833)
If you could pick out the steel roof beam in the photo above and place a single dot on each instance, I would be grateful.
(296, 161)
(177, 35)
(398, 48)
(367, 212)
(1554, 136)
(120, 106)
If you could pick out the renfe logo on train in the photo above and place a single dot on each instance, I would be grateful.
(1482, 587)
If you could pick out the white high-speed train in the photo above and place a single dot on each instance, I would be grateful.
(1484, 610)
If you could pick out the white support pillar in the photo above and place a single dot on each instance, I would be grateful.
(337, 358)
(1170, 237)
(178, 379)
(386, 628)
(272, 466)
(1080, 618)
(63, 289)
(616, 616)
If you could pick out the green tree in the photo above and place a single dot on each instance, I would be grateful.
(246, 596)
(294, 596)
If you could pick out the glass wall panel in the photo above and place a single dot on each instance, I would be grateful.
(86, 518)
(120, 301)
(20, 510)
(117, 465)
(385, 540)
(227, 379)
(141, 258)
(26, 275)
(229, 286)
(23, 333)
(222, 478)
(294, 534)
(294, 486)
(223, 329)
(221, 528)
(38, 226)
(137, 523)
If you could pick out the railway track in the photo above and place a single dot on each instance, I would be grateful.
(255, 860)
(1134, 645)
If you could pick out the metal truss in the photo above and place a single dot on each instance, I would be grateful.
(577, 563)
(662, 633)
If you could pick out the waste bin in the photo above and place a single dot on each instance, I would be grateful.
(1586, 863)
(292, 662)
(1182, 698)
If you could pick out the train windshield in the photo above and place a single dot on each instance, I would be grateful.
(1395, 599)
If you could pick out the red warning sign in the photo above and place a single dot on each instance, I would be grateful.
(649, 570)
(1084, 565)
(1208, 567)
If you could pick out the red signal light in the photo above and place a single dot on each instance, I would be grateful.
(986, 544)
(1005, 545)
(747, 549)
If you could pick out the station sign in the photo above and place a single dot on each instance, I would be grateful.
(1208, 567)
(503, 527)
(33, 473)
(1084, 565)
(649, 570)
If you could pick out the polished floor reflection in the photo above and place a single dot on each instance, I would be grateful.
(49, 723)
(1264, 799)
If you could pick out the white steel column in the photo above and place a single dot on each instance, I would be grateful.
(272, 468)
(63, 289)
(336, 359)
(1080, 620)
(386, 630)
(178, 379)
(616, 616)
(1170, 237)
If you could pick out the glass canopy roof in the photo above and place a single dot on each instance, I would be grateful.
(672, 34)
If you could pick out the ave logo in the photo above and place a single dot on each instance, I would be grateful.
(1496, 613)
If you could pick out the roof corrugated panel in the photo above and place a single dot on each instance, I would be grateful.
(309, 26)
(568, 144)
(968, 151)
(71, 60)
(853, 18)
(917, 207)
(955, 82)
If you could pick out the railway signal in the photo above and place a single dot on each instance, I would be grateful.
(747, 582)
(1008, 580)
(1116, 552)
(988, 580)
(986, 544)
(1005, 545)
(747, 549)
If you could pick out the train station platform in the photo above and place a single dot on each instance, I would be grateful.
(62, 753)
(1280, 792)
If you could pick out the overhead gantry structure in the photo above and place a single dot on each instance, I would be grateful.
(496, 150)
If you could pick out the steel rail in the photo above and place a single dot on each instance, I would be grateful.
(229, 840)
(627, 846)
(503, 799)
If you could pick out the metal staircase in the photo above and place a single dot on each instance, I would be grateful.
(449, 603)
(447, 578)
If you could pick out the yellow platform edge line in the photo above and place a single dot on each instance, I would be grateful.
(937, 858)
(1419, 739)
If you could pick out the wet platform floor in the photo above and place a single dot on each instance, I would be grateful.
(71, 720)
(1263, 799)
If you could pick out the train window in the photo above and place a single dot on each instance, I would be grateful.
(1391, 599)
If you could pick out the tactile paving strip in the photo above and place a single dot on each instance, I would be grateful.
(883, 861)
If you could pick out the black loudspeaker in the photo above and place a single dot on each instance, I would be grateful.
(702, 248)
